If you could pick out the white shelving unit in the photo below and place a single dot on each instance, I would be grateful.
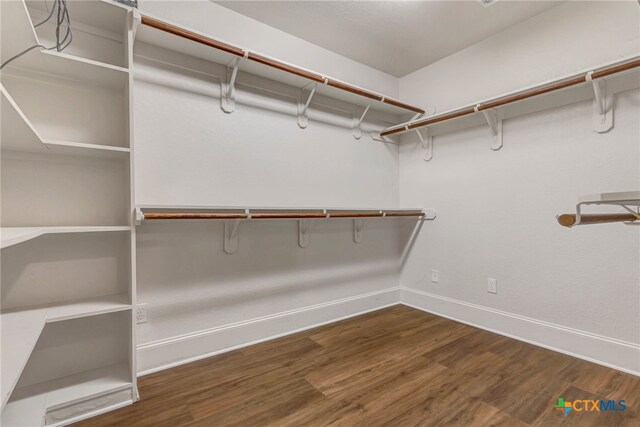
(66, 137)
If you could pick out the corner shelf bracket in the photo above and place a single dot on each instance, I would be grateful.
(228, 98)
(357, 130)
(304, 226)
(631, 206)
(495, 124)
(231, 235)
(602, 105)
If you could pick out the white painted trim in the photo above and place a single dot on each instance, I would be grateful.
(167, 353)
(617, 354)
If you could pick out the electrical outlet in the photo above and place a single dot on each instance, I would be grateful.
(492, 287)
(435, 276)
(141, 313)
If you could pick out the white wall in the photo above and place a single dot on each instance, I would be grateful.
(576, 290)
(189, 152)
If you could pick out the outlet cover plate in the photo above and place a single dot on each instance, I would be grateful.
(141, 313)
(435, 276)
(492, 286)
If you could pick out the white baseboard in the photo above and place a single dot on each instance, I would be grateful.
(609, 352)
(163, 354)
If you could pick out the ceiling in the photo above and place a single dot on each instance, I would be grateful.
(397, 37)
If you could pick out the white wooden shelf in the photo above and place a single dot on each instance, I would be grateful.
(21, 329)
(621, 197)
(102, 15)
(14, 235)
(30, 404)
(65, 66)
(615, 83)
(19, 134)
(16, 16)
(155, 37)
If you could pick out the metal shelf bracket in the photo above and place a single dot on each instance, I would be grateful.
(602, 105)
(228, 98)
(495, 124)
(357, 130)
(304, 225)
(426, 145)
(303, 106)
(231, 235)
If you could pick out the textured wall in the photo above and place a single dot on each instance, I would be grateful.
(496, 210)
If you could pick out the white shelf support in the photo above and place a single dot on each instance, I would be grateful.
(303, 109)
(495, 124)
(136, 22)
(602, 105)
(304, 226)
(138, 216)
(426, 145)
(357, 130)
(228, 98)
(231, 235)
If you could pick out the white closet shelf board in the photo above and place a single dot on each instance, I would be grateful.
(70, 67)
(629, 197)
(184, 46)
(106, 15)
(30, 404)
(16, 21)
(178, 208)
(618, 82)
(21, 329)
(18, 134)
(10, 236)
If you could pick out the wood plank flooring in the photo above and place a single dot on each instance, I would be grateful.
(393, 367)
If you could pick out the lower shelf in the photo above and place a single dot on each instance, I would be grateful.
(22, 328)
(13, 235)
(68, 397)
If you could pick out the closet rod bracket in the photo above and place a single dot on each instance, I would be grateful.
(602, 105)
(231, 235)
(357, 129)
(304, 225)
(138, 216)
(358, 225)
(228, 95)
(303, 108)
(495, 124)
(426, 145)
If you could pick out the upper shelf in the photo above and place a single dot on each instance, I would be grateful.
(622, 74)
(14, 235)
(621, 197)
(194, 43)
(19, 134)
(16, 21)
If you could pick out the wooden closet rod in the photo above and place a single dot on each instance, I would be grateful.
(234, 50)
(278, 215)
(569, 220)
(582, 78)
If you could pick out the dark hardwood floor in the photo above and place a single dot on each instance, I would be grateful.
(393, 367)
